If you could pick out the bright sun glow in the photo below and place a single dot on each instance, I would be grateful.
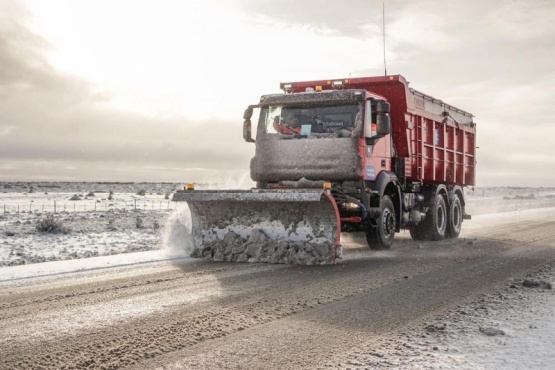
(175, 57)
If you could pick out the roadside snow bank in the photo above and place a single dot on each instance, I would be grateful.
(509, 327)
(8, 275)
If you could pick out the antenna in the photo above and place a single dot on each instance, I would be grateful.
(383, 30)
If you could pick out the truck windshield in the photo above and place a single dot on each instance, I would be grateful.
(312, 121)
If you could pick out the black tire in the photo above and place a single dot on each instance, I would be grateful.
(455, 217)
(418, 232)
(380, 237)
(435, 222)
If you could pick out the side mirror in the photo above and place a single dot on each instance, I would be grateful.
(248, 113)
(383, 107)
(383, 124)
(247, 125)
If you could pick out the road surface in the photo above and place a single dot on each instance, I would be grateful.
(198, 314)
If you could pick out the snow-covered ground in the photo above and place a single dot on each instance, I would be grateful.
(96, 225)
(506, 199)
(509, 327)
(54, 268)
(512, 327)
(141, 217)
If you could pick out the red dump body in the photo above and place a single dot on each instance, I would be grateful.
(437, 140)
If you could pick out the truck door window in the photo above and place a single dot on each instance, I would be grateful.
(273, 116)
(368, 119)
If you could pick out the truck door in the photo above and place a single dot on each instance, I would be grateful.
(378, 147)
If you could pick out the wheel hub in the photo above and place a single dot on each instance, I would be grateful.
(388, 222)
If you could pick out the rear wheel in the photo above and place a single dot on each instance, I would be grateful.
(418, 232)
(436, 219)
(434, 226)
(455, 217)
(381, 236)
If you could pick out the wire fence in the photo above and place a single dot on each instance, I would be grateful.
(91, 206)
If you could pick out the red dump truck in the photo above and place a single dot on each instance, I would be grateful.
(363, 154)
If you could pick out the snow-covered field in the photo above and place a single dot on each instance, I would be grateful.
(96, 224)
(506, 199)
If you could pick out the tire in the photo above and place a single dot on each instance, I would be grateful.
(380, 237)
(455, 217)
(435, 222)
(418, 232)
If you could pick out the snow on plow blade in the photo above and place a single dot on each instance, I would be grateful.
(298, 226)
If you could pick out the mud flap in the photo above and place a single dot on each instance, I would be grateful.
(299, 226)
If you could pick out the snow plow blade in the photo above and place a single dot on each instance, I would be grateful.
(295, 226)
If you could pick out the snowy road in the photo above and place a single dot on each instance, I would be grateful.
(198, 314)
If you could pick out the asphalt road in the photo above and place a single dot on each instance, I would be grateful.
(201, 314)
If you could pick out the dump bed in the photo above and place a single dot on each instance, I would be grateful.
(436, 140)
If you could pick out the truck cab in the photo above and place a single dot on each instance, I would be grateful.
(321, 136)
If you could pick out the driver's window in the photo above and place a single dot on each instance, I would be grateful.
(368, 119)
(273, 119)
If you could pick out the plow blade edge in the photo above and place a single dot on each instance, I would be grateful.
(299, 226)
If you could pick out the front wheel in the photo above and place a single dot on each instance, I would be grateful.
(381, 236)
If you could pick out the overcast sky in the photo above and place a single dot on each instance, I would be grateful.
(109, 90)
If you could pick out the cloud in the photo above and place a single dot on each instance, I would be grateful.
(523, 20)
(493, 59)
(55, 125)
(20, 50)
(337, 17)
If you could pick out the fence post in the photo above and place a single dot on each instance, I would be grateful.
(135, 203)
(18, 209)
(95, 206)
(4, 209)
(54, 206)
(73, 207)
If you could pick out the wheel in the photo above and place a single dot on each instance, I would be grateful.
(435, 223)
(455, 217)
(418, 232)
(381, 236)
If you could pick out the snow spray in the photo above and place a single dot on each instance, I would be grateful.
(177, 240)
(243, 182)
